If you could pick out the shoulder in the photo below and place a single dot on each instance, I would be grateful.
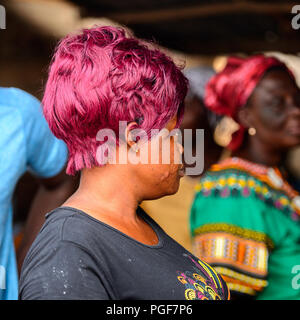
(62, 226)
(17, 98)
(227, 182)
(62, 267)
(25, 105)
(227, 190)
(237, 202)
(64, 234)
(230, 197)
(71, 225)
(240, 186)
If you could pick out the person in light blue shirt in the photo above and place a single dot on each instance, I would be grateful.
(26, 144)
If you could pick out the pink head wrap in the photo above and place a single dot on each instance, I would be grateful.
(230, 89)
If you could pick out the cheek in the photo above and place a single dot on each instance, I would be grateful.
(271, 119)
(164, 175)
(162, 179)
(271, 127)
(165, 151)
(169, 179)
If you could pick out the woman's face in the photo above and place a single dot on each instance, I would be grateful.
(274, 110)
(161, 178)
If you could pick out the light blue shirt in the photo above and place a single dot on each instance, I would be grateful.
(26, 144)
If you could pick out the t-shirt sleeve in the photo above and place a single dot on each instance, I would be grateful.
(68, 272)
(45, 154)
(229, 234)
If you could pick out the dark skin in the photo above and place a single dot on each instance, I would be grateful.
(51, 194)
(273, 110)
(97, 194)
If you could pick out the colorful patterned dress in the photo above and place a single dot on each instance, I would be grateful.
(245, 222)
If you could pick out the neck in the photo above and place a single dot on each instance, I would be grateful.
(103, 193)
(257, 152)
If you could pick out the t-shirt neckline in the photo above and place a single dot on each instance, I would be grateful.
(140, 212)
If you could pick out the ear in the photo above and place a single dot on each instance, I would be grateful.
(244, 117)
(130, 138)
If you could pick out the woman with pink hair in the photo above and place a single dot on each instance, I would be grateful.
(100, 244)
(245, 219)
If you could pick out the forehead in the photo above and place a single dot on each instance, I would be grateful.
(275, 80)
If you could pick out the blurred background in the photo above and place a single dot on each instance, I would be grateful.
(198, 32)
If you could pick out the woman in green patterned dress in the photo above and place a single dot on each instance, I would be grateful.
(245, 219)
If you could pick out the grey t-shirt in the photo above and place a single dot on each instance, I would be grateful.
(76, 256)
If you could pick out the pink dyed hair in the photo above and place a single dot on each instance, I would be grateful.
(100, 77)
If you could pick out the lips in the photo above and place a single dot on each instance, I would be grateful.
(181, 172)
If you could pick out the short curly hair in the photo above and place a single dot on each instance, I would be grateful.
(102, 76)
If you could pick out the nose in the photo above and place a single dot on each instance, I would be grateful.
(294, 106)
(294, 110)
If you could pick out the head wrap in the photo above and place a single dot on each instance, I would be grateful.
(230, 89)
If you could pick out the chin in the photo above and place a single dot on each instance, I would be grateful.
(168, 191)
(174, 188)
(292, 142)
